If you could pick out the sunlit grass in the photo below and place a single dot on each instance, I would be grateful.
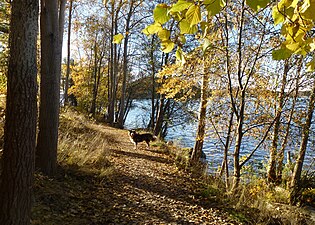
(83, 143)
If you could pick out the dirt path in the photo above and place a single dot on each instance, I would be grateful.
(142, 187)
(152, 191)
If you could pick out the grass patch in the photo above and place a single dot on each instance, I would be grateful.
(84, 143)
(256, 203)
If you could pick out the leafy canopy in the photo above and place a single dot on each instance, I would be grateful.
(296, 17)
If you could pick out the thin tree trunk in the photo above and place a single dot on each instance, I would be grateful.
(287, 131)
(296, 177)
(68, 54)
(240, 115)
(95, 86)
(226, 150)
(201, 130)
(125, 69)
(160, 111)
(272, 171)
(111, 84)
(152, 121)
(227, 69)
(17, 175)
(239, 137)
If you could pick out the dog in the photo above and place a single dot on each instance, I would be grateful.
(136, 138)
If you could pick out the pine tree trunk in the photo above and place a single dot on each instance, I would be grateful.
(16, 179)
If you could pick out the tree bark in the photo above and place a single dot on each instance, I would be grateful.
(121, 114)
(272, 171)
(113, 62)
(226, 150)
(68, 54)
(160, 110)
(47, 142)
(296, 177)
(201, 130)
(21, 113)
(95, 78)
(287, 131)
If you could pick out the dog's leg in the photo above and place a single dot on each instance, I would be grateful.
(136, 145)
(148, 144)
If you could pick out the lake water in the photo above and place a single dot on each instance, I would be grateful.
(184, 136)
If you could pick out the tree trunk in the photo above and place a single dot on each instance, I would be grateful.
(16, 179)
(47, 142)
(160, 110)
(239, 137)
(95, 79)
(160, 116)
(113, 62)
(121, 114)
(225, 165)
(68, 54)
(272, 171)
(296, 177)
(152, 120)
(111, 84)
(201, 130)
(287, 131)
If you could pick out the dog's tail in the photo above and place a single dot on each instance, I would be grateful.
(154, 138)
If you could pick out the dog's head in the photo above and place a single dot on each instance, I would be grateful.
(132, 133)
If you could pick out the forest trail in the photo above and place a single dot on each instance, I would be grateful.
(139, 187)
(154, 191)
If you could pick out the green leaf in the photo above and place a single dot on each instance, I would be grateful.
(185, 27)
(257, 4)
(180, 56)
(277, 16)
(182, 38)
(193, 15)
(164, 34)
(293, 46)
(213, 6)
(311, 65)
(180, 6)
(118, 38)
(167, 46)
(152, 29)
(308, 9)
(282, 53)
(160, 13)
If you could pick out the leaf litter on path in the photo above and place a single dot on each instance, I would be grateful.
(142, 187)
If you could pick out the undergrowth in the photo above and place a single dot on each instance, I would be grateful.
(255, 201)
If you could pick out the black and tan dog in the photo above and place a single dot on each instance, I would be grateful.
(136, 138)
